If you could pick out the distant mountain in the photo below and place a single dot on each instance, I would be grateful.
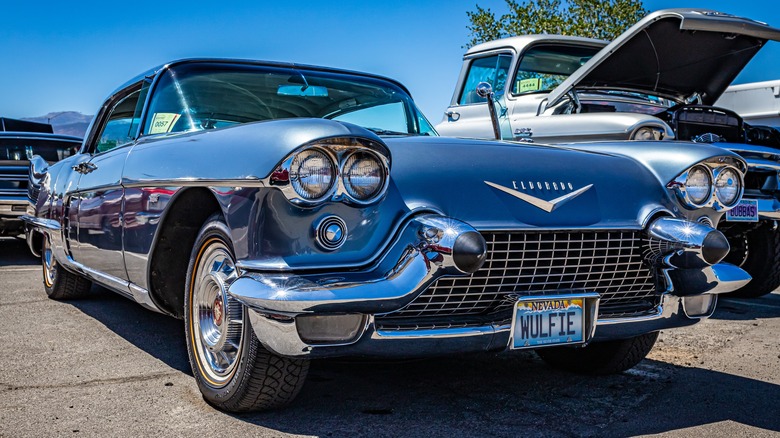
(65, 122)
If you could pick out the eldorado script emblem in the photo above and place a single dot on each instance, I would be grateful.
(547, 206)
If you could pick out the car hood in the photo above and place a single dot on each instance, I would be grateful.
(491, 185)
(674, 53)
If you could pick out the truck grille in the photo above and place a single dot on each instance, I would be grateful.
(13, 181)
(544, 263)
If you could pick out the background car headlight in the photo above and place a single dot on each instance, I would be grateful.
(698, 184)
(727, 186)
(312, 174)
(363, 175)
(648, 133)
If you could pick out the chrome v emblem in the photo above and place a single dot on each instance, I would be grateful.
(547, 206)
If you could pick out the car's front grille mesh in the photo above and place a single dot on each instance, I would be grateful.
(546, 263)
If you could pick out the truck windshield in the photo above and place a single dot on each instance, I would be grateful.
(23, 149)
(200, 96)
(545, 66)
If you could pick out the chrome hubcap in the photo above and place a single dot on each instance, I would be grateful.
(217, 318)
(49, 263)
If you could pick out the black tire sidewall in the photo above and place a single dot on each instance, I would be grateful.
(222, 395)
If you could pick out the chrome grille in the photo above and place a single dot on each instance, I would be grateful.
(13, 183)
(538, 263)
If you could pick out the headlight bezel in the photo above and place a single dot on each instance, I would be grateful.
(338, 151)
(713, 200)
(721, 205)
(328, 192)
(379, 192)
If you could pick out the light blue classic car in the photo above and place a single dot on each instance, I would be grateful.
(289, 213)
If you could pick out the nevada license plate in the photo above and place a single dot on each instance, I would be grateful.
(745, 211)
(546, 322)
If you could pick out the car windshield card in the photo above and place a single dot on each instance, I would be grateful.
(745, 211)
(545, 322)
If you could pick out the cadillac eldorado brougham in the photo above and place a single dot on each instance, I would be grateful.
(288, 213)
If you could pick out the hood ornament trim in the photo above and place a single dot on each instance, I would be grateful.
(547, 206)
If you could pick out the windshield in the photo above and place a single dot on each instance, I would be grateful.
(193, 97)
(23, 149)
(545, 66)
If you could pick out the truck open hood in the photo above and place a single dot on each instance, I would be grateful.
(674, 53)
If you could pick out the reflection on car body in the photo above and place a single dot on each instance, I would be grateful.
(272, 218)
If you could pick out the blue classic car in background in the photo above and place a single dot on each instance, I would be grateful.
(289, 212)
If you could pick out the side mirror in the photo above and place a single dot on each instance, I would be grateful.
(485, 91)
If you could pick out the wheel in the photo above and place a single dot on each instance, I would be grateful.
(233, 370)
(59, 283)
(600, 358)
(757, 251)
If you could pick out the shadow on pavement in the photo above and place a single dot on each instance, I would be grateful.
(483, 394)
(159, 335)
(748, 309)
(14, 252)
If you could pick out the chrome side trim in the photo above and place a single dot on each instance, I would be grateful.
(142, 297)
(49, 224)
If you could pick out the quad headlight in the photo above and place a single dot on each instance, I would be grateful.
(709, 185)
(363, 175)
(312, 174)
(340, 170)
(728, 186)
(698, 184)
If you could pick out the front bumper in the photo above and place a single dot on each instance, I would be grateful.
(11, 210)
(278, 301)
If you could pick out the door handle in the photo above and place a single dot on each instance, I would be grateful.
(452, 115)
(84, 168)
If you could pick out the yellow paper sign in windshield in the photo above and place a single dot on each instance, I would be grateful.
(163, 122)
(534, 84)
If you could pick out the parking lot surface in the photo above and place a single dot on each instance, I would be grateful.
(104, 366)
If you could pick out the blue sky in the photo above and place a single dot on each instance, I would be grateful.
(59, 56)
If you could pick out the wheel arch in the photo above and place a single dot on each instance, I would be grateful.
(178, 229)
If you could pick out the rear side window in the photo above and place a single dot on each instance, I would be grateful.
(491, 69)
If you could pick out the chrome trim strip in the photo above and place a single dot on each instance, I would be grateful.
(194, 182)
(49, 224)
(657, 313)
(142, 297)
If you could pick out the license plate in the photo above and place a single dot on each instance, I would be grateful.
(745, 211)
(546, 322)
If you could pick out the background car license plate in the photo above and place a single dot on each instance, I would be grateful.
(546, 322)
(745, 211)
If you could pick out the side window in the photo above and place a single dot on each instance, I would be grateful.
(491, 69)
(122, 123)
(544, 67)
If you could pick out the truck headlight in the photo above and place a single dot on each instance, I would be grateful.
(648, 133)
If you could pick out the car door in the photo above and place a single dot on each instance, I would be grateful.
(468, 116)
(98, 203)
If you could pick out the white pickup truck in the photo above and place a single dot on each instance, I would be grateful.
(657, 81)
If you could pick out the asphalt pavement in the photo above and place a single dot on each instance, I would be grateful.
(104, 366)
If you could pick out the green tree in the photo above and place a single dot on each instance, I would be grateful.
(603, 19)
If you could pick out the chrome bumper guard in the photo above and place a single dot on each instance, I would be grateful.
(430, 247)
